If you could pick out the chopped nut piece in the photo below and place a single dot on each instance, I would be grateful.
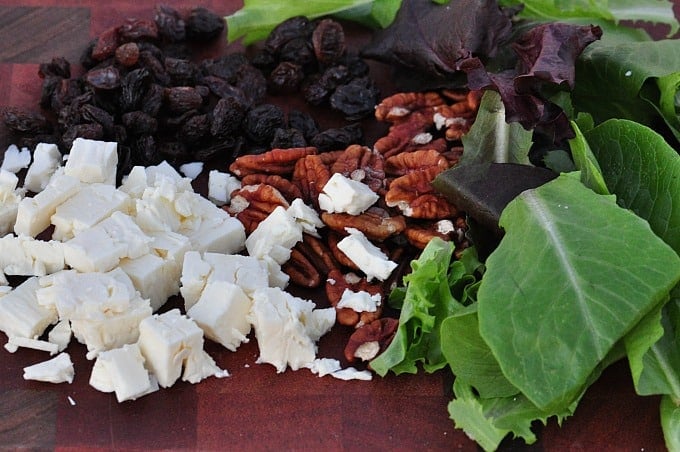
(361, 343)
(414, 195)
(376, 223)
(276, 161)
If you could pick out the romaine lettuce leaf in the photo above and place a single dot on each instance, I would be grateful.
(565, 285)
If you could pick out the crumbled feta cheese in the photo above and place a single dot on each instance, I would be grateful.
(15, 159)
(221, 312)
(21, 315)
(192, 169)
(350, 373)
(306, 217)
(360, 301)
(60, 334)
(33, 214)
(24, 255)
(287, 328)
(330, 366)
(275, 236)
(220, 187)
(101, 247)
(154, 277)
(56, 370)
(170, 342)
(341, 194)
(36, 344)
(91, 205)
(46, 160)
(92, 161)
(122, 371)
(368, 257)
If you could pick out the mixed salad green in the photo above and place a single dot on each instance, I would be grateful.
(588, 270)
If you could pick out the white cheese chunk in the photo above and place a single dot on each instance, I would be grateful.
(277, 277)
(33, 214)
(46, 160)
(92, 161)
(324, 366)
(24, 255)
(92, 204)
(220, 187)
(21, 315)
(104, 309)
(15, 159)
(218, 234)
(342, 194)
(35, 344)
(60, 334)
(222, 312)
(156, 279)
(10, 196)
(100, 248)
(287, 328)
(122, 371)
(191, 169)
(275, 236)
(170, 342)
(360, 301)
(368, 257)
(306, 217)
(170, 245)
(56, 370)
(350, 373)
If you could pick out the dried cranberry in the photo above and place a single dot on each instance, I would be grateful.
(106, 44)
(137, 30)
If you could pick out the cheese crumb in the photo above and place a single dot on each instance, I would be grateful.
(56, 370)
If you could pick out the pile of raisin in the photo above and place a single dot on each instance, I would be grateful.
(142, 88)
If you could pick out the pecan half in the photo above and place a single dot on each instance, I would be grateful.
(318, 253)
(362, 164)
(253, 203)
(289, 190)
(300, 270)
(276, 161)
(407, 162)
(400, 136)
(310, 175)
(415, 196)
(400, 105)
(371, 339)
(376, 223)
(420, 235)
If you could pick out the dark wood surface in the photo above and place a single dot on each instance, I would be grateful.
(255, 408)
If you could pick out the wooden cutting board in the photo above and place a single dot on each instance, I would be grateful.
(254, 408)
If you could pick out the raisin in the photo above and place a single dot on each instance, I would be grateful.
(171, 26)
(149, 61)
(286, 77)
(288, 138)
(49, 86)
(153, 100)
(298, 51)
(338, 138)
(328, 40)
(225, 67)
(180, 99)
(91, 131)
(227, 117)
(26, 122)
(127, 54)
(86, 60)
(227, 149)
(357, 99)
(173, 151)
(133, 88)
(313, 91)
(138, 30)
(139, 123)
(145, 152)
(103, 78)
(304, 122)
(262, 121)
(181, 71)
(90, 113)
(203, 25)
(295, 27)
(194, 129)
(59, 67)
(106, 44)
(356, 66)
(264, 61)
(252, 83)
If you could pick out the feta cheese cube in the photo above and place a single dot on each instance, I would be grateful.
(275, 236)
(33, 214)
(56, 370)
(92, 161)
(168, 342)
(15, 159)
(306, 217)
(10, 197)
(21, 315)
(154, 277)
(221, 312)
(287, 328)
(46, 160)
(220, 187)
(368, 257)
(100, 248)
(92, 204)
(191, 169)
(122, 371)
(24, 255)
(342, 194)
(60, 335)
(219, 234)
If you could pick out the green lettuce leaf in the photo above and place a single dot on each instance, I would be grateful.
(634, 80)
(427, 300)
(670, 422)
(565, 285)
(586, 163)
(258, 18)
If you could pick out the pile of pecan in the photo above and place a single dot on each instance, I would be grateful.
(423, 140)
